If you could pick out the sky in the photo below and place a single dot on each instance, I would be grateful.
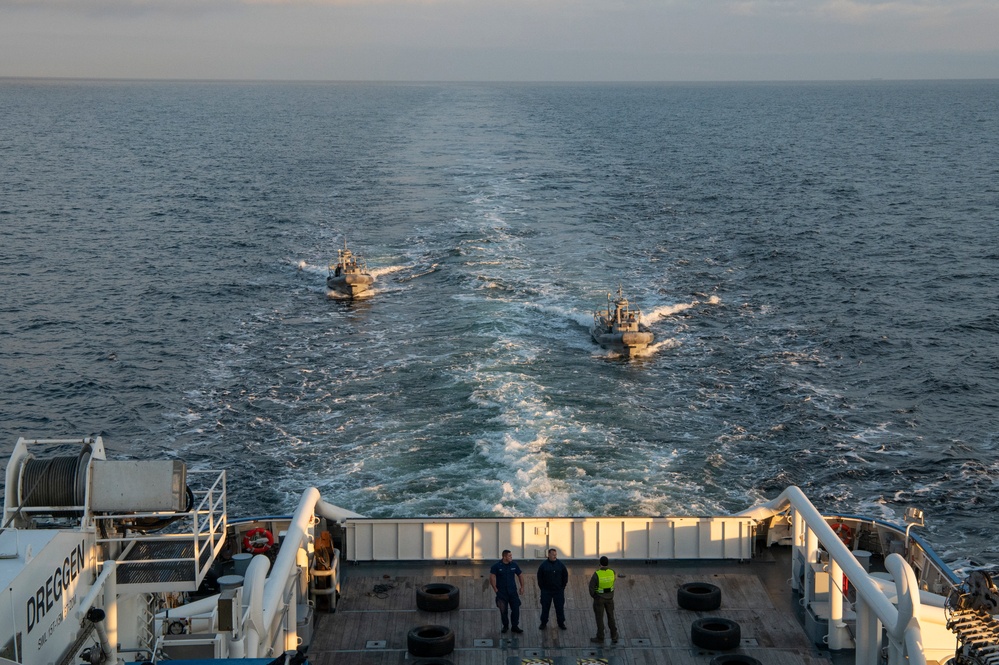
(501, 40)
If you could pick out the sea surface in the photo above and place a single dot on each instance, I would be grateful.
(818, 262)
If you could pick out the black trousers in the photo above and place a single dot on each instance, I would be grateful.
(556, 597)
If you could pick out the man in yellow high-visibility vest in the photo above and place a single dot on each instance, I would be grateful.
(602, 592)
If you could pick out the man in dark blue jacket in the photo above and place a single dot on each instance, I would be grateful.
(552, 580)
(508, 585)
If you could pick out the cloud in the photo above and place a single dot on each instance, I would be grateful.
(855, 11)
(134, 8)
(497, 39)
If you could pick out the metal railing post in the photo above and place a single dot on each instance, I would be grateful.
(868, 634)
(836, 627)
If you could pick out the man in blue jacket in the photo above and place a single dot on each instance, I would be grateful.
(507, 582)
(552, 580)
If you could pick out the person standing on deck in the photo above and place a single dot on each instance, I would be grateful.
(602, 593)
(507, 581)
(552, 580)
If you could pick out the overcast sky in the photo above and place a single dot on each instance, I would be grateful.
(505, 40)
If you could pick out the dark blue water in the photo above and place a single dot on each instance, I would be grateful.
(818, 262)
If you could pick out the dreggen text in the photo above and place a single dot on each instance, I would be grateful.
(51, 592)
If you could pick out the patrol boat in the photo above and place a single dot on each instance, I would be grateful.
(620, 328)
(349, 276)
(139, 562)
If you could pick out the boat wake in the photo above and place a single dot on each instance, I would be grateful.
(431, 269)
(660, 313)
(656, 347)
(584, 319)
(305, 266)
(381, 272)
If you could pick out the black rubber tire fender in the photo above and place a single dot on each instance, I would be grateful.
(437, 597)
(699, 597)
(715, 634)
(430, 641)
(734, 659)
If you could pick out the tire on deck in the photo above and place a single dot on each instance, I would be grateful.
(715, 634)
(437, 597)
(699, 597)
(430, 641)
(734, 659)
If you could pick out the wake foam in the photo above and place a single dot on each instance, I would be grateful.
(388, 270)
(660, 313)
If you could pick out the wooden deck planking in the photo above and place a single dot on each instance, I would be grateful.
(653, 629)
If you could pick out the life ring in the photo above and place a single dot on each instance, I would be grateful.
(844, 532)
(257, 541)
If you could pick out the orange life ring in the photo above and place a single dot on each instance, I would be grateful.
(257, 541)
(844, 532)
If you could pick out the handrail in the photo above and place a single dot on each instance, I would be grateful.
(913, 537)
(264, 601)
(901, 623)
(203, 526)
(105, 586)
(269, 598)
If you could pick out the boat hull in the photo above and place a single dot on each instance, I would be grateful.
(350, 285)
(626, 343)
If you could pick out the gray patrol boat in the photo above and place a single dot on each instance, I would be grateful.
(620, 328)
(349, 276)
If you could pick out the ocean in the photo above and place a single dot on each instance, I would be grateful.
(818, 262)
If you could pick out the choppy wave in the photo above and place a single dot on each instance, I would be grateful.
(821, 298)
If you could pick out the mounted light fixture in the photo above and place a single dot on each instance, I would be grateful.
(913, 517)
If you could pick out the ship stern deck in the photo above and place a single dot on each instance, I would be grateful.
(377, 609)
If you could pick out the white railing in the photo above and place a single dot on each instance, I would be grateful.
(874, 609)
(270, 593)
(203, 527)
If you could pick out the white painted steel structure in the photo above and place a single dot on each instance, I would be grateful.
(906, 620)
(483, 539)
(54, 577)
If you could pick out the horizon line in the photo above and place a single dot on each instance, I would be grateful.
(124, 79)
